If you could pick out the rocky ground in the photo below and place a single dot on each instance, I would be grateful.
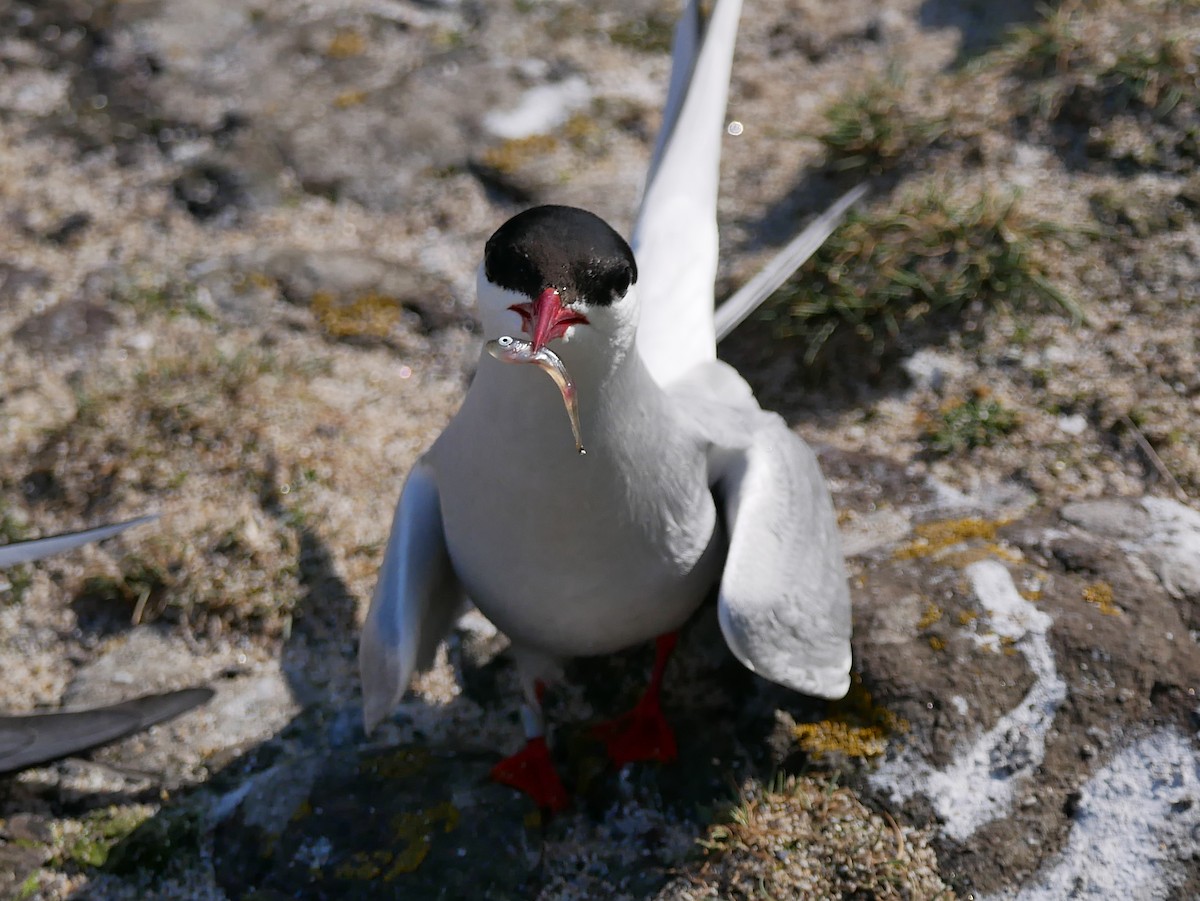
(237, 253)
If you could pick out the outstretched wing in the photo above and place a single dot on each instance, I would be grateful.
(784, 601)
(30, 739)
(415, 602)
(675, 238)
(28, 551)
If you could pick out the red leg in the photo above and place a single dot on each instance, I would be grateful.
(532, 771)
(643, 732)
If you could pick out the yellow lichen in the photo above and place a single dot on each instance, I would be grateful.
(303, 811)
(1032, 594)
(936, 537)
(932, 614)
(510, 156)
(365, 865)
(348, 99)
(416, 831)
(938, 644)
(1101, 595)
(366, 316)
(582, 130)
(966, 617)
(261, 280)
(967, 556)
(819, 739)
(346, 44)
(856, 726)
(399, 764)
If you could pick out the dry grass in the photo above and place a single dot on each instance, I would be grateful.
(809, 838)
(1126, 72)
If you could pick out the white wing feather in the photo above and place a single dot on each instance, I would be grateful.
(415, 602)
(675, 239)
(28, 551)
(746, 299)
(784, 601)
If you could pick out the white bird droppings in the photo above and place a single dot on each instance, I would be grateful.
(1135, 827)
(981, 782)
(541, 109)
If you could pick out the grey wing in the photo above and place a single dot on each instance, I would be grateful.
(416, 599)
(31, 739)
(784, 601)
(28, 551)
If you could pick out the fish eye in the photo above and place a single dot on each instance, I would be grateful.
(505, 341)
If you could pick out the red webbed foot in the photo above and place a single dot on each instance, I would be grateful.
(643, 733)
(640, 734)
(532, 771)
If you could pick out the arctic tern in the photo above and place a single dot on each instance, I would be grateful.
(686, 483)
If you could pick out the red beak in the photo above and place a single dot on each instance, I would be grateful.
(547, 318)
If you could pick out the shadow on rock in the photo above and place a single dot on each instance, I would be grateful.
(318, 811)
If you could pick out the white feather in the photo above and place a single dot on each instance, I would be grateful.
(415, 601)
(784, 605)
(784, 602)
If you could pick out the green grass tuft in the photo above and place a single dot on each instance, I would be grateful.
(173, 835)
(1126, 73)
(977, 422)
(870, 130)
(883, 275)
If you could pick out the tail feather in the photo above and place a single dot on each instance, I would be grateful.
(685, 47)
(675, 238)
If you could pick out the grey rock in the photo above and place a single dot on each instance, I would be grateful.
(73, 327)
(1164, 532)
(400, 823)
(143, 659)
(345, 280)
(16, 280)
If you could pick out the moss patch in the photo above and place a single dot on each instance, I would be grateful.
(98, 833)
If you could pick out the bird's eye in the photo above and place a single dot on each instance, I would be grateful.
(505, 341)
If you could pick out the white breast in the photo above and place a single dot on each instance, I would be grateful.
(567, 554)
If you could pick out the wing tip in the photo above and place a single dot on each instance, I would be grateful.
(383, 677)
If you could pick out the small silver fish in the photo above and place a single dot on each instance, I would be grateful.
(507, 349)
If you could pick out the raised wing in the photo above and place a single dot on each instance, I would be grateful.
(675, 238)
(795, 254)
(784, 601)
(28, 551)
(35, 738)
(415, 602)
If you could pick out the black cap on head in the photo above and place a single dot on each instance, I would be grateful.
(561, 247)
